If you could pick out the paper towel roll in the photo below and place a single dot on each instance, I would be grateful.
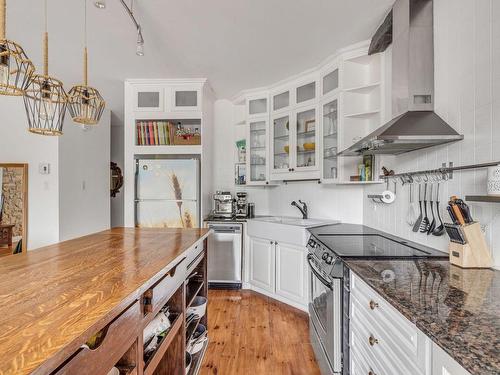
(388, 197)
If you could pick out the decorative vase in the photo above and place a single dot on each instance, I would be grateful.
(494, 180)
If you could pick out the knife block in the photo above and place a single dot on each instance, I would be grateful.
(475, 253)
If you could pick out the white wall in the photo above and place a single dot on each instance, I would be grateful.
(324, 201)
(467, 75)
(84, 200)
(17, 145)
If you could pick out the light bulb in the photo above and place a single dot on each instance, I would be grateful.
(101, 4)
(140, 49)
(4, 67)
(46, 105)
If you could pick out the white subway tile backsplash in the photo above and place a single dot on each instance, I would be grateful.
(467, 82)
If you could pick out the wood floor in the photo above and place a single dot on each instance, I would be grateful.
(253, 334)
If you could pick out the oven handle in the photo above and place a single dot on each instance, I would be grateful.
(317, 274)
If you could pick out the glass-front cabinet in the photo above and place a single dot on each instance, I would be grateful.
(329, 134)
(306, 139)
(257, 156)
(281, 143)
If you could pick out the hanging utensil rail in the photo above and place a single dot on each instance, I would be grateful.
(443, 171)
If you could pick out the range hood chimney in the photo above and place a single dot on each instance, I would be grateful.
(415, 125)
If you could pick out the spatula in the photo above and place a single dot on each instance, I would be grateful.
(432, 226)
(416, 226)
(424, 225)
(440, 230)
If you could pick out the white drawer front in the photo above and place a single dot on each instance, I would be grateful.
(371, 315)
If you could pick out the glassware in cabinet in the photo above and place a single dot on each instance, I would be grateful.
(306, 138)
(257, 152)
(281, 144)
(330, 140)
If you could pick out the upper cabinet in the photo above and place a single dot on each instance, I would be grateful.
(257, 152)
(313, 117)
(185, 98)
(149, 98)
(257, 106)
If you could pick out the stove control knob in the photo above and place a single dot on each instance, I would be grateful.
(329, 259)
(324, 256)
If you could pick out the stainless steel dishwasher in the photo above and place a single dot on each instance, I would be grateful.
(225, 247)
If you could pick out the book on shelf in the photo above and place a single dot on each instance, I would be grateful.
(154, 133)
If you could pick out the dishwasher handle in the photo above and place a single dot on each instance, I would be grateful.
(225, 229)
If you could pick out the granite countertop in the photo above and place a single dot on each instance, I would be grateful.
(459, 309)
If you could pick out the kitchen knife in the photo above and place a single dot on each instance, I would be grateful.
(464, 208)
(452, 215)
(458, 213)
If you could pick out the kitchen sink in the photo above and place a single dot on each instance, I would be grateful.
(294, 221)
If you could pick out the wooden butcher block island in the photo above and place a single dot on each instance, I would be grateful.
(81, 306)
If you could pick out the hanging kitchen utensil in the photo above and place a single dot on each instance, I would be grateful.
(424, 226)
(413, 208)
(440, 230)
(416, 226)
(432, 226)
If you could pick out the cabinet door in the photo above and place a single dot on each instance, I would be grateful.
(257, 152)
(262, 264)
(257, 106)
(330, 140)
(149, 98)
(291, 280)
(281, 147)
(443, 364)
(185, 98)
(305, 154)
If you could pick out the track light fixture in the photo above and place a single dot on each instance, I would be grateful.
(101, 4)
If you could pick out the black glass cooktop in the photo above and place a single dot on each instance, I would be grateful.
(358, 241)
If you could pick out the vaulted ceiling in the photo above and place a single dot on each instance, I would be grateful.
(236, 44)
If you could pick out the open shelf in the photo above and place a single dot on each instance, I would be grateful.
(359, 182)
(192, 290)
(197, 359)
(483, 198)
(163, 345)
(364, 114)
(363, 89)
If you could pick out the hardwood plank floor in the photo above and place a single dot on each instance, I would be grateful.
(253, 334)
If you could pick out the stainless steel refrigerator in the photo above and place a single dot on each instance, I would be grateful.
(167, 192)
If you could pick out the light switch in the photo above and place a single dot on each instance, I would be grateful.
(44, 168)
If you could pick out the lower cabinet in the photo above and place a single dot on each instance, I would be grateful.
(262, 263)
(443, 364)
(279, 269)
(383, 341)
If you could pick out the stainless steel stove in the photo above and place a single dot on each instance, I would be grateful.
(329, 283)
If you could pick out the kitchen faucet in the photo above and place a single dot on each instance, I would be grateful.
(303, 209)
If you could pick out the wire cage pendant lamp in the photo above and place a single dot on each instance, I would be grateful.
(86, 105)
(15, 67)
(45, 99)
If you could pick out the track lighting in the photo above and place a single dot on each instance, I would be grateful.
(101, 4)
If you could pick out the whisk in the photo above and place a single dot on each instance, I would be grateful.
(413, 211)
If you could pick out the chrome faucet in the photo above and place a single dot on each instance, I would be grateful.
(303, 209)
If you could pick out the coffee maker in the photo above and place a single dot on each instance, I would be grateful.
(223, 205)
(241, 205)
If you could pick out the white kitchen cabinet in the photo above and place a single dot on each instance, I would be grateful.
(443, 364)
(291, 269)
(262, 264)
(278, 270)
(383, 341)
(257, 165)
(185, 98)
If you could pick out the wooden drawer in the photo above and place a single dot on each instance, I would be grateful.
(194, 255)
(120, 334)
(398, 335)
(158, 294)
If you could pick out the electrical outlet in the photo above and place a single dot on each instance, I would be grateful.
(44, 168)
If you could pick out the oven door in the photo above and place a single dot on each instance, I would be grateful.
(325, 310)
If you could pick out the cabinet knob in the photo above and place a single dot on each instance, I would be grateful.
(271, 242)
(373, 304)
(372, 341)
(371, 373)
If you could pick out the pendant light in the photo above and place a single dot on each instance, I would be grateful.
(15, 67)
(45, 99)
(86, 105)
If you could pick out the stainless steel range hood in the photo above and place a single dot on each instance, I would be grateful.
(415, 125)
